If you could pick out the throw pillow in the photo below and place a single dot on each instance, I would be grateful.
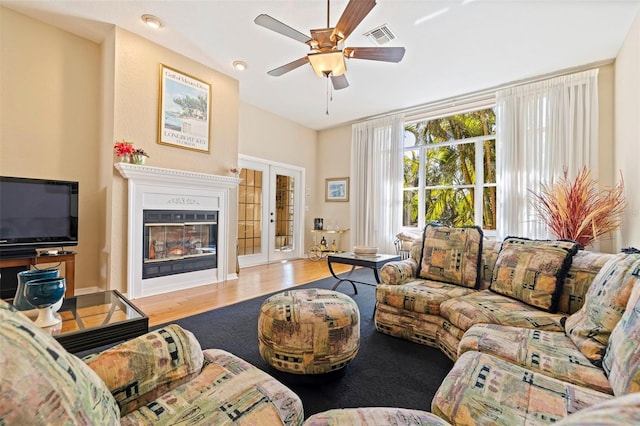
(620, 361)
(41, 383)
(532, 271)
(451, 254)
(605, 302)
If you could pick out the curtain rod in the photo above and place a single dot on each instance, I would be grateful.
(481, 95)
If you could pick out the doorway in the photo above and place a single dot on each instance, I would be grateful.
(270, 212)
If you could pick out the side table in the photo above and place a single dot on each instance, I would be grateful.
(96, 319)
(372, 262)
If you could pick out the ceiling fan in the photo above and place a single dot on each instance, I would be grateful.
(327, 56)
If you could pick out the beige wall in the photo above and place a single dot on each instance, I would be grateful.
(49, 119)
(65, 100)
(627, 132)
(135, 118)
(334, 159)
(270, 137)
(606, 174)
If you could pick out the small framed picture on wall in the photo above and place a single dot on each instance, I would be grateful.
(337, 189)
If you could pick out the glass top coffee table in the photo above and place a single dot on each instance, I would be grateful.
(372, 262)
(97, 319)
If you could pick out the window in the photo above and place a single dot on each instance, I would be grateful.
(447, 162)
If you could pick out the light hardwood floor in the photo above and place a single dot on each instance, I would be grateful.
(252, 282)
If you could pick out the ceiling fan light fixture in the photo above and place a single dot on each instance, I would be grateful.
(328, 63)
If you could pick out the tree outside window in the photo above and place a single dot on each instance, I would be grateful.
(447, 162)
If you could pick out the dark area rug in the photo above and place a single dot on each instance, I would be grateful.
(387, 371)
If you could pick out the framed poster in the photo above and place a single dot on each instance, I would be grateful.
(337, 189)
(184, 110)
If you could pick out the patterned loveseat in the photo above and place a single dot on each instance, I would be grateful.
(162, 377)
(537, 329)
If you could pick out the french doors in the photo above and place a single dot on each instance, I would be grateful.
(270, 212)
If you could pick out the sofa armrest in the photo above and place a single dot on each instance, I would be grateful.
(400, 272)
(139, 370)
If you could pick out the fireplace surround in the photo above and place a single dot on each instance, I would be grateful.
(176, 192)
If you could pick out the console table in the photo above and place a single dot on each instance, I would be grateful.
(69, 259)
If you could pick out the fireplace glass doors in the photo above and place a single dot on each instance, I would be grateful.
(178, 241)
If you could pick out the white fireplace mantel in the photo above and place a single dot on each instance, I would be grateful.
(168, 189)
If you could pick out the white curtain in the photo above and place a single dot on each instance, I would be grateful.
(542, 128)
(376, 182)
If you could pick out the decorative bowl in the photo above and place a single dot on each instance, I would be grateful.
(365, 250)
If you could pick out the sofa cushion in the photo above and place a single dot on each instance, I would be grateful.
(605, 302)
(533, 271)
(623, 410)
(41, 383)
(622, 358)
(548, 352)
(482, 389)
(584, 268)
(374, 416)
(139, 370)
(451, 255)
(423, 296)
(490, 252)
(228, 391)
(487, 307)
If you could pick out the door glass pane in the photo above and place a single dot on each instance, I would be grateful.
(284, 213)
(249, 208)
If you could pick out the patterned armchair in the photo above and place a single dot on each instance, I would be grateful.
(162, 377)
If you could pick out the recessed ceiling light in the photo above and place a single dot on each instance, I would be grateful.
(151, 21)
(239, 65)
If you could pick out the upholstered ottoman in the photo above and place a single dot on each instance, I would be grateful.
(310, 331)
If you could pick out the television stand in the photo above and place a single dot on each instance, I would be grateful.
(33, 259)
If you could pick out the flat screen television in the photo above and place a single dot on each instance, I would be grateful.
(37, 214)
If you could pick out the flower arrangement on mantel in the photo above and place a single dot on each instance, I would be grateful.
(128, 153)
(579, 210)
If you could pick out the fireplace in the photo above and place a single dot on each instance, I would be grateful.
(175, 242)
(178, 233)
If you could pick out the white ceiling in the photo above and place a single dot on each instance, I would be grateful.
(453, 47)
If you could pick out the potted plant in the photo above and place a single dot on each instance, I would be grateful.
(578, 209)
(139, 156)
(124, 151)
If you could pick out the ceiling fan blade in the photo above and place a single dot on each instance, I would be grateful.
(387, 54)
(353, 14)
(274, 25)
(288, 67)
(339, 82)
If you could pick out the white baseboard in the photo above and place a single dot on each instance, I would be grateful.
(86, 290)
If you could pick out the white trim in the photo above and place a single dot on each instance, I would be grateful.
(168, 189)
(298, 252)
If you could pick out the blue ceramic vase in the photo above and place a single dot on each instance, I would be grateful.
(19, 301)
(43, 293)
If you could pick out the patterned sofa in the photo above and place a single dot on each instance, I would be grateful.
(162, 377)
(537, 329)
